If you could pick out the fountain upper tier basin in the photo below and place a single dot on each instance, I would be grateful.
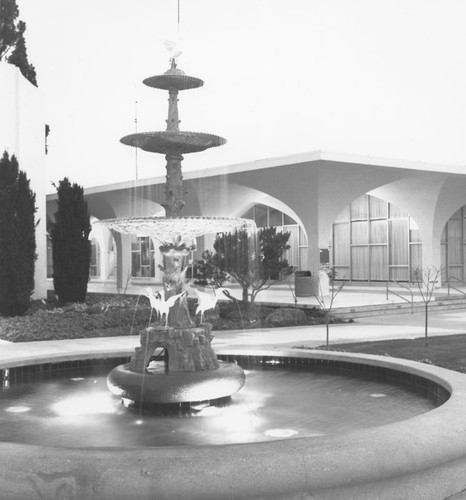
(422, 457)
(174, 79)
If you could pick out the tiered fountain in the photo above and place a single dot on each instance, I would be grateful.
(75, 450)
(191, 371)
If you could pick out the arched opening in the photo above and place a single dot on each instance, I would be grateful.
(453, 247)
(144, 258)
(266, 216)
(94, 267)
(373, 240)
(112, 258)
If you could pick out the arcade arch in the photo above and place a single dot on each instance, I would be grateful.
(374, 240)
(453, 247)
(267, 216)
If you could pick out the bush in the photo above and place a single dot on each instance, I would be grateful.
(71, 247)
(17, 238)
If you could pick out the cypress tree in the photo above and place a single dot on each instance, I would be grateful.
(71, 248)
(17, 238)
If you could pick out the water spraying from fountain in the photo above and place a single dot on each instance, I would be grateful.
(192, 372)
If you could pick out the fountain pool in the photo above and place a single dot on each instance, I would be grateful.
(423, 456)
(72, 407)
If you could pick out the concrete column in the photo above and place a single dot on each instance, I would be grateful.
(431, 251)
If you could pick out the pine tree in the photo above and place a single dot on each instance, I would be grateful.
(71, 248)
(12, 41)
(17, 238)
(253, 262)
(8, 32)
(19, 56)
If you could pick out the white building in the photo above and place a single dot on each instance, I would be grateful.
(22, 133)
(373, 219)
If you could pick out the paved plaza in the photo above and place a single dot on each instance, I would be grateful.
(381, 327)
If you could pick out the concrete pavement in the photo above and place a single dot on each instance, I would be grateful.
(382, 327)
(407, 326)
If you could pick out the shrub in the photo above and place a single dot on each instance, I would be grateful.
(71, 248)
(17, 238)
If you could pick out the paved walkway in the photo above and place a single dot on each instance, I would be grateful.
(378, 328)
(406, 326)
(383, 327)
(283, 293)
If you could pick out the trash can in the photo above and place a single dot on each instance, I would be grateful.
(303, 284)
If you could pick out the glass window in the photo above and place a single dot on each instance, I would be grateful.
(344, 215)
(288, 221)
(378, 208)
(142, 257)
(265, 216)
(398, 242)
(260, 215)
(275, 217)
(378, 231)
(378, 263)
(416, 259)
(49, 257)
(399, 273)
(379, 247)
(455, 242)
(359, 233)
(359, 260)
(94, 270)
(112, 260)
(359, 208)
(341, 245)
(396, 213)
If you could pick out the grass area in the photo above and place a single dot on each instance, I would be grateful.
(447, 351)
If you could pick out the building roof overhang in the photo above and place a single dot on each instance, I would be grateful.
(329, 157)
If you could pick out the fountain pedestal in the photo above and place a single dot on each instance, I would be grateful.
(188, 349)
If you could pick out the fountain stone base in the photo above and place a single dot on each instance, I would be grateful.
(190, 372)
(188, 349)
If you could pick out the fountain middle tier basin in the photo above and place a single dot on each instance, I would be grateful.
(157, 386)
(173, 141)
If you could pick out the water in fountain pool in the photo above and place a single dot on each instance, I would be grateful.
(76, 409)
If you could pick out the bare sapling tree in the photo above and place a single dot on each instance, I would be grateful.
(427, 280)
(326, 296)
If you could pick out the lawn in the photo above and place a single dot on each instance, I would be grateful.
(447, 351)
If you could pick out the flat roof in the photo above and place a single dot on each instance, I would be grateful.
(281, 161)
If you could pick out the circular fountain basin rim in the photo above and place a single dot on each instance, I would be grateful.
(284, 467)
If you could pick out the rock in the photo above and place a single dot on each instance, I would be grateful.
(286, 317)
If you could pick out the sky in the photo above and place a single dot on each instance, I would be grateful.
(382, 78)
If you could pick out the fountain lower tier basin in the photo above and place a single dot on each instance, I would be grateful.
(421, 457)
(158, 387)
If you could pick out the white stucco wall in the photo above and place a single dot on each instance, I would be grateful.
(22, 133)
